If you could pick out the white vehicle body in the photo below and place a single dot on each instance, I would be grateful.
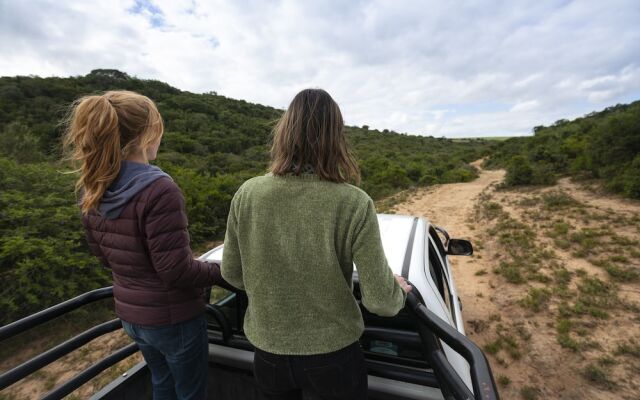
(413, 250)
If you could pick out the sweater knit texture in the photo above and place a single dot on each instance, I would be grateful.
(291, 243)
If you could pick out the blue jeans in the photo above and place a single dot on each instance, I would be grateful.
(176, 356)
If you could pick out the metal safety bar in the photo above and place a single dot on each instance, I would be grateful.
(431, 328)
(484, 387)
(42, 360)
(30, 366)
(50, 313)
(89, 373)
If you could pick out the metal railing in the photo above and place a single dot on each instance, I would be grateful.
(28, 367)
(431, 328)
(50, 313)
(32, 365)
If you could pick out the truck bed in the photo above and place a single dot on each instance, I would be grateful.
(231, 378)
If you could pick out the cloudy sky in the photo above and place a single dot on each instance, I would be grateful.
(440, 68)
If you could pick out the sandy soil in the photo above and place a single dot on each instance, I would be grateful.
(39, 383)
(452, 207)
(490, 303)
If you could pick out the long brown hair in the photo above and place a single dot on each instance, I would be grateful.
(311, 133)
(101, 131)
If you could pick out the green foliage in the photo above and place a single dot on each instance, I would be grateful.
(44, 258)
(211, 145)
(18, 143)
(559, 199)
(530, 392)
(632, 179)
(603, 145)
(631, 348)
(519, 172)
(503, 380)
(536, 299)
(595, 297)
(598, 376)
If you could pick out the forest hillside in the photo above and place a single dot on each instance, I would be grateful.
(601, 145)
(211, 145)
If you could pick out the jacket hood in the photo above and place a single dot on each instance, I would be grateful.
(133, 178)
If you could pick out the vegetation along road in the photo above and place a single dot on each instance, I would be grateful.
(552, 291)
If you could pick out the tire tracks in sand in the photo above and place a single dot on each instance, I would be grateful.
(546, 368)
(452, 207)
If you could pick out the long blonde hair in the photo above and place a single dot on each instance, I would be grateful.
(311, 133)
(101, 131)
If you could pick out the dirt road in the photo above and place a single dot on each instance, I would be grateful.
(452, 206)
(578, 248)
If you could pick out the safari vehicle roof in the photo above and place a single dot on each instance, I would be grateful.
(396, 234)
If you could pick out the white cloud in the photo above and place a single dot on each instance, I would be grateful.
(494, 67)
(525, 106)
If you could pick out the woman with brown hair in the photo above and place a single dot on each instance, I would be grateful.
(135, 222)
(292, 238)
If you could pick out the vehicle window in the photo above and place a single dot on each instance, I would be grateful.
(436, 239)
(233, 306)
(435, 268)
(436, 263)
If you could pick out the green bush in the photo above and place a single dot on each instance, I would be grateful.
(543, 174)
(632, 179)
(19, 143)
(603, 145)
(211, 145)
(44, 257)
(519, 172)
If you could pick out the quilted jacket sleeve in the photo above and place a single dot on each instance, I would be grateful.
(168, 242)
(94, 247)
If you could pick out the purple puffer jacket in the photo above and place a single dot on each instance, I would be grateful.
(156, 281)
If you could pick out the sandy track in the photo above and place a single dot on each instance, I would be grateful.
(553, 372)
(452, 206)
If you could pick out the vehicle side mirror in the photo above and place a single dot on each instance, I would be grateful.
(459, 247)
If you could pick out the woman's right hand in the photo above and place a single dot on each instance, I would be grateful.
(403, 284)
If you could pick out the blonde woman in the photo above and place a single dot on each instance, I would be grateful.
(292, 238)
(135, 222)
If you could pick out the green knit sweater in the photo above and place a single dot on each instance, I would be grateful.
(291, 243)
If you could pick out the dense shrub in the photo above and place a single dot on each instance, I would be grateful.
(44, 257)
(602, 145)
(211, 145)
(519, 172)
(632, 179)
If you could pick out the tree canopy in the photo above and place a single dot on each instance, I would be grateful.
(601, 145)
(211, 145)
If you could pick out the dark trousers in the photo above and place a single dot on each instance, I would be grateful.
(338, 375)
(177, 357)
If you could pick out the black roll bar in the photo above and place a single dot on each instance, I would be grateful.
(50, 313)
(28, 367)
(484, 387)
(431, 330)
(89, 373)
(225, 327)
